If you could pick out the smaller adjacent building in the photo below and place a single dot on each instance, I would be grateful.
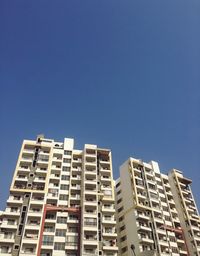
(156, 213)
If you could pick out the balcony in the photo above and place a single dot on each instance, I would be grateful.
(108, 199)
(77, 160)
(163, 242)
(57, 159)
(7, 238)
(90, 181)
(110, 245)
(15, 199)
(33, 224)
(91, 212)
(90, 191)
(144, 227)
(38, 187)
(28, 151)
(40, 180)
(146, 240)
(89, 172)
(75, 197)
(161, 231)
(26, 159)
(9, 224)
(30, 238)
(90, 160)
(6, 252)
(91, 253)
(105, 178)
(32, 213)
(43, 159)
(183, 252)
(72, 220)
(90, 240)
(23, 170)
(71, 246)
(55, 177)
(28, 253)
(90, 226)
(19, 185)
(21, 178)
(109, 234)
(75, 187)
(10, 212)
(108, 221)
(143, 216)
(37, 200)
(41, 170)
(105, 171)
(108, 209)
(75, 177)
(56, 167)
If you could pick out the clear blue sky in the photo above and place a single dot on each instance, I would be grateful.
(123, 74)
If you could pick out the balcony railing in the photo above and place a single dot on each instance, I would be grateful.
(90, 223)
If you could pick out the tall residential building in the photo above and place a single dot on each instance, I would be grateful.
(156, 213)
(61, 202)
(187, 210)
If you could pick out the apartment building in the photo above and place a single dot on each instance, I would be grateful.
(187, 210)
(61, 202)
(156, 213)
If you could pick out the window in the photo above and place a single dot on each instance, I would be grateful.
(64, 187)
(65, 177)
(72, 240)
(59, 246)
(60, 232)
(90, 221)
(73, 217)
(118, 184)
(121, 218)
(66, 169)
(119, 192)
(67, 160)
(49, 229)
(62, 220)
(119, 201)
(16, 247)
(47, 240)
(11, 222)
(4, 249)
(73, 229)
(50, 216)
(8, 234)
(120, 209)
(67, 152)
(123, 239)
(13, 209)
(124, 249)
(63, 197)
(122, 228)
(29, 250)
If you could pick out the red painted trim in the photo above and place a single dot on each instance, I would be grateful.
(42, 230)
(180, 231)
(62, 209)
